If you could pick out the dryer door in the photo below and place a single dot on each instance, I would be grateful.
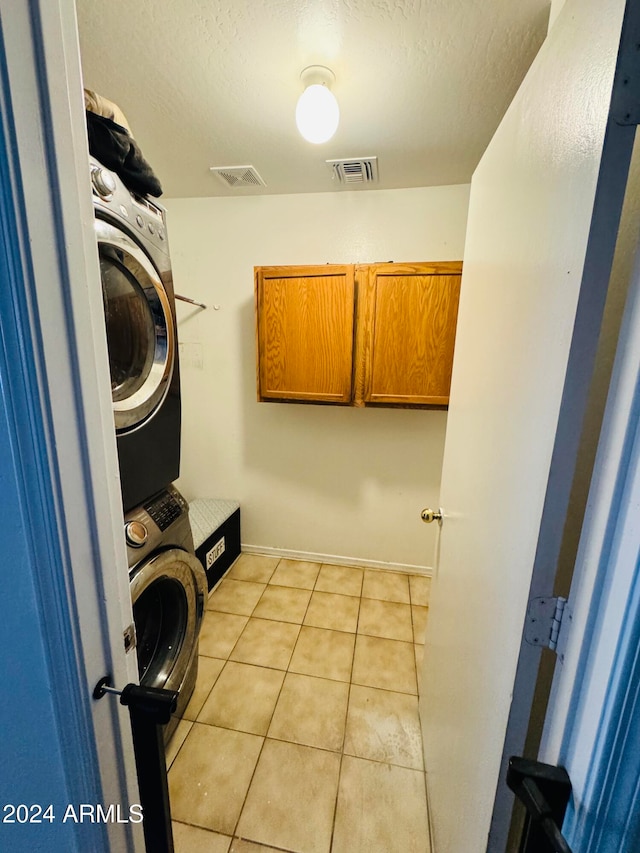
(140, 334)
(168, 593)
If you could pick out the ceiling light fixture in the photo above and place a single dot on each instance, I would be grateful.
(317, 111)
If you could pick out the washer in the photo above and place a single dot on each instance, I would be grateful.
(139, 306)
(168, 593)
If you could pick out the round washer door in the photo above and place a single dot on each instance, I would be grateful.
(168, 592)
(140, 335)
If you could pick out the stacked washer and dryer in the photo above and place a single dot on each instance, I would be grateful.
(168, 584)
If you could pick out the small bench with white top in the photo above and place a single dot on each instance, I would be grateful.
(216, 534)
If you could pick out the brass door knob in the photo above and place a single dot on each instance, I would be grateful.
(428, 515)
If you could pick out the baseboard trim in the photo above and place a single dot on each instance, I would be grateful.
(335, 560)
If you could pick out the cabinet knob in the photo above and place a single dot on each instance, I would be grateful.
(428, 515)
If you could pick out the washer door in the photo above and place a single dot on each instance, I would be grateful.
(168, 593)
(140, 334)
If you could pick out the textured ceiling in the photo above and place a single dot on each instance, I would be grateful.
(421, 85)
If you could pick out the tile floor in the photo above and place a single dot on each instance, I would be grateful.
(303, 733)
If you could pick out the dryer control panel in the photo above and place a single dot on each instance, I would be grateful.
(140, 216)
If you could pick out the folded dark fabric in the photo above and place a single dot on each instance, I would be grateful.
(111, 144)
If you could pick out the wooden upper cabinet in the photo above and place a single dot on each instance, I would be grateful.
(401, 316)
(305, 330)
(406, 325)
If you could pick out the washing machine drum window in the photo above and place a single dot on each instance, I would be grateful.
(168, 593)
(139, 326)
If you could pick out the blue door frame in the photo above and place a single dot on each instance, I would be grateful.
(48, 754)
(65, 600)
(605, 816)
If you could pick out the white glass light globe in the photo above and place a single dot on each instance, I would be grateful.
(317, 113)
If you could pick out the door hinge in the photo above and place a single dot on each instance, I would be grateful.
(545, 617)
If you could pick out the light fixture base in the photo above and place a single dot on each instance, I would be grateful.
(317, 75)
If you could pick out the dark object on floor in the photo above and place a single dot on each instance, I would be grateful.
(150, 709)
(111, 144)
(216, 535)
(545, 791)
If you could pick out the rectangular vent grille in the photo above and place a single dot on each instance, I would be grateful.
(238, 176)
(356, 170)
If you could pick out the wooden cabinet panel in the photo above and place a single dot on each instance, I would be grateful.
(305, 319)
(406, 333)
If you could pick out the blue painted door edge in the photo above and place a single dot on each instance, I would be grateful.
(606, 817)
(49, 743)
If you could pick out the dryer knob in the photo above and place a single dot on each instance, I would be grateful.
(135, 533)
(103, 182)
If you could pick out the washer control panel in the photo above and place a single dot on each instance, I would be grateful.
(162, 522)
(164, 510)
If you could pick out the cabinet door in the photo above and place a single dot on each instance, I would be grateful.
(305, 318)
(406, 333)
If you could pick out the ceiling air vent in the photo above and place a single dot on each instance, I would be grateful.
(238, 176)
(356, 170)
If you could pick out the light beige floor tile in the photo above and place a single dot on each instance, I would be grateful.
(283, 604)
(420, 615)
(388, 664)
(420, 589)
(208, 671)
(323, 653)
(253, 567)
(385, 619)
(291, 800)
(337, 612)
(343, 580)
(380, 808)
(419, 650)
(384, 726)
(387, 586)
(177, 739)
(191, 839)
(210, 777)
(233, 596)
(297, 573)
(243, 699)
(311, 711)
(266, 643)
(219, 633)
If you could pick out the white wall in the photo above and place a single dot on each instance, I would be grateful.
(556, 6)
(323, 480)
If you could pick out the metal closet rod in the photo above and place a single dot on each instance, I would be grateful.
(190, 301)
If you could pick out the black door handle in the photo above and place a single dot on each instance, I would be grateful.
(544, 790)
(150, 708)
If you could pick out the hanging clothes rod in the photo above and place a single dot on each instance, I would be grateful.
(190, 301)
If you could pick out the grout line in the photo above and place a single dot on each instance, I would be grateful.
(264, 739)
(432, 841)
(346, 720)
(173, 760)
(261, 844)
(413, 635)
